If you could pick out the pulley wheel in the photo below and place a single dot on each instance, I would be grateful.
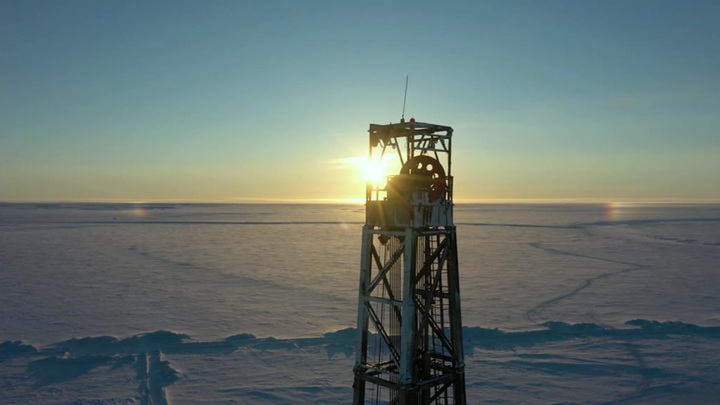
(425, 169)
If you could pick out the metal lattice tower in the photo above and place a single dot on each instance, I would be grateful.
(409, 332)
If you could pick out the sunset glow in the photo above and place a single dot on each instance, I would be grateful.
(282, 114)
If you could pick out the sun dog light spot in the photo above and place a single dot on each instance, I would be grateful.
(140, 212)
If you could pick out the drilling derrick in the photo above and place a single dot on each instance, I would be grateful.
(409, 346)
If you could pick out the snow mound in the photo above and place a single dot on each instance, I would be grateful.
(10, 349)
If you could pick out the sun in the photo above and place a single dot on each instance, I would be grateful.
(375, 171)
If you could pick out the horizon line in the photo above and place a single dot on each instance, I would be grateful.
(357, 201)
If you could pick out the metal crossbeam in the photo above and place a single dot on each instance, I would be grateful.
(383, 334)
(384, 269)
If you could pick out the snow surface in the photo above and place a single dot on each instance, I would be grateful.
(253, 304)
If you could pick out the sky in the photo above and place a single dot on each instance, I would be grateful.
(250, 101)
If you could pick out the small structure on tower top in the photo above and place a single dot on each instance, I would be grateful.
(409, 330)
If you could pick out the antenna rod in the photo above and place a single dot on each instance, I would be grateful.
(405, 98)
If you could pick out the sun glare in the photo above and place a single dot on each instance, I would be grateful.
(375, 171)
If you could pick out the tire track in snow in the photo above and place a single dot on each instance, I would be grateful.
(534, 315)
(643, 367)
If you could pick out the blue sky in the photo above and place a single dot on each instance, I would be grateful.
(253, 101)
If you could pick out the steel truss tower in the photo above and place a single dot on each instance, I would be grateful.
(409, 347)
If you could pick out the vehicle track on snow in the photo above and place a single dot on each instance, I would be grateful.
(534, 314)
